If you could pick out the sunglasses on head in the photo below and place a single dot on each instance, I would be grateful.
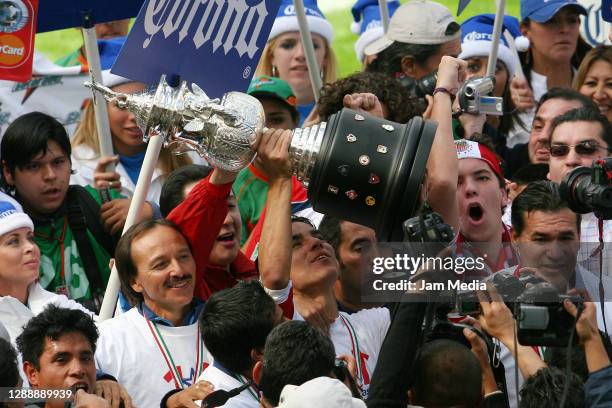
(585, 148)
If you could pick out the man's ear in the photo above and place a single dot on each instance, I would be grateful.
(256, 355)
(137, 286)
(257, 371)
(31, 373)
(408, 66)
(7, 175)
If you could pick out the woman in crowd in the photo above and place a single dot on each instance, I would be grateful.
(284, 55)
(476, 34)
(21, 295)
(555, 52)
(594, 78)
(128, 144)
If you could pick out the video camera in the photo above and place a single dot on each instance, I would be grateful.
(536, 305)
(474, 97)
(589, 189)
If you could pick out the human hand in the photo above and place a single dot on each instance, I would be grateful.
(479, 349)
(495, 318)
(186, 397)
(107, 179)
(273, 152)
(366, 102)
(113, 392)
(522, 95)
(114, 213)
(313, 118)
(451, 73)
(429, 109)
(586, 325)
(83, 399)
(351, 364)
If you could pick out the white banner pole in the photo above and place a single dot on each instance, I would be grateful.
(384, 14)
(95, 72)
(311, 61)
(149, 164)
(497, 28)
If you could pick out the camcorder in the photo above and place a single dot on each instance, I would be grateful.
(589, 189)
(536, 305)
(475, 97)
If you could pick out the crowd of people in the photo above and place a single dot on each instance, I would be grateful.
(236, 292)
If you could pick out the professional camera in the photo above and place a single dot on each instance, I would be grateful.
(474, 97)
(542, 319)
(589, 189)
(418, 88)
(427, 227)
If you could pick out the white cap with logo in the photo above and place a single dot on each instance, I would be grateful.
(416, 22)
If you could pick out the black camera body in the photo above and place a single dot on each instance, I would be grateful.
(418, 88)
(428, 227)
(542, 320)
(589, 189)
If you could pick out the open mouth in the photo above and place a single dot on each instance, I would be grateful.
(322, 257)
(475, 212)
(79, 386)
(229, 237)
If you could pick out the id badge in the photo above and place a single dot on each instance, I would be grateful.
(63, 290)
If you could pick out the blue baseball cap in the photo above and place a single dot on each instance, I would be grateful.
(541, 11)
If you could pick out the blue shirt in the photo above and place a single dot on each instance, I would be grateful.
(304, 112)
(132, 165)
(192, 316)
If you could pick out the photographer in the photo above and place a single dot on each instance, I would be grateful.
(576, 139)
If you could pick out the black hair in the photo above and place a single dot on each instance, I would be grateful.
(530, 172)
(123, 255)
(439, 367)
(557, 357)
(28, 136)
(304, 220)
(331, 231)
(295, 114)
(295, 352)
(537, 196)
(544, 389)
(389, 60)
(235, 321)
(586, 114)
(172, 190)
(388, 90)
(53, 323)
(9, 373)
(566, 94)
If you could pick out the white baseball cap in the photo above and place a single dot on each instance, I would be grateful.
(320, 392)
(416, 22)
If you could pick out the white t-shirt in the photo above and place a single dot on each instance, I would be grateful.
(222, 381)
(359, 334)
(128, 350)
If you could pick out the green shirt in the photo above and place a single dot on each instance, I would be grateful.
(251, 190)
(60, 262)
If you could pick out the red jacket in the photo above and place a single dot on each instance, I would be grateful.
(200, 217)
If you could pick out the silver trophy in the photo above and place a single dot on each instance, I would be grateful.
(223, 131)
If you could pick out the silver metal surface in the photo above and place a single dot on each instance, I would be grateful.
(224, 131)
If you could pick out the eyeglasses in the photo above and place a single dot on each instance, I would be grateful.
(585, 148)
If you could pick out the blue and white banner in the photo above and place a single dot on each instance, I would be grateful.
(215, 43)
(594, 29)
(60, 14)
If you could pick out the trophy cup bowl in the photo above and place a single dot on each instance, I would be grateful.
(357, 167)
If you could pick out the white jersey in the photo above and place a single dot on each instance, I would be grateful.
(359, 334)
(223, 381)
(136, 352)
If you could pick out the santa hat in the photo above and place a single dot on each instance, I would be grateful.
(368, 23)
(286, 20)
(477, 37)
(468, 149)
(11, 218)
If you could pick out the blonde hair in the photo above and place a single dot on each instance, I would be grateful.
(329, 62)
(87, 134)
(600, 53)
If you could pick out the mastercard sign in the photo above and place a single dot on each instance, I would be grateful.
(17, 29)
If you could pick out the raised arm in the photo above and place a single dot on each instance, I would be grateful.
(442, 166)
(275, 243)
